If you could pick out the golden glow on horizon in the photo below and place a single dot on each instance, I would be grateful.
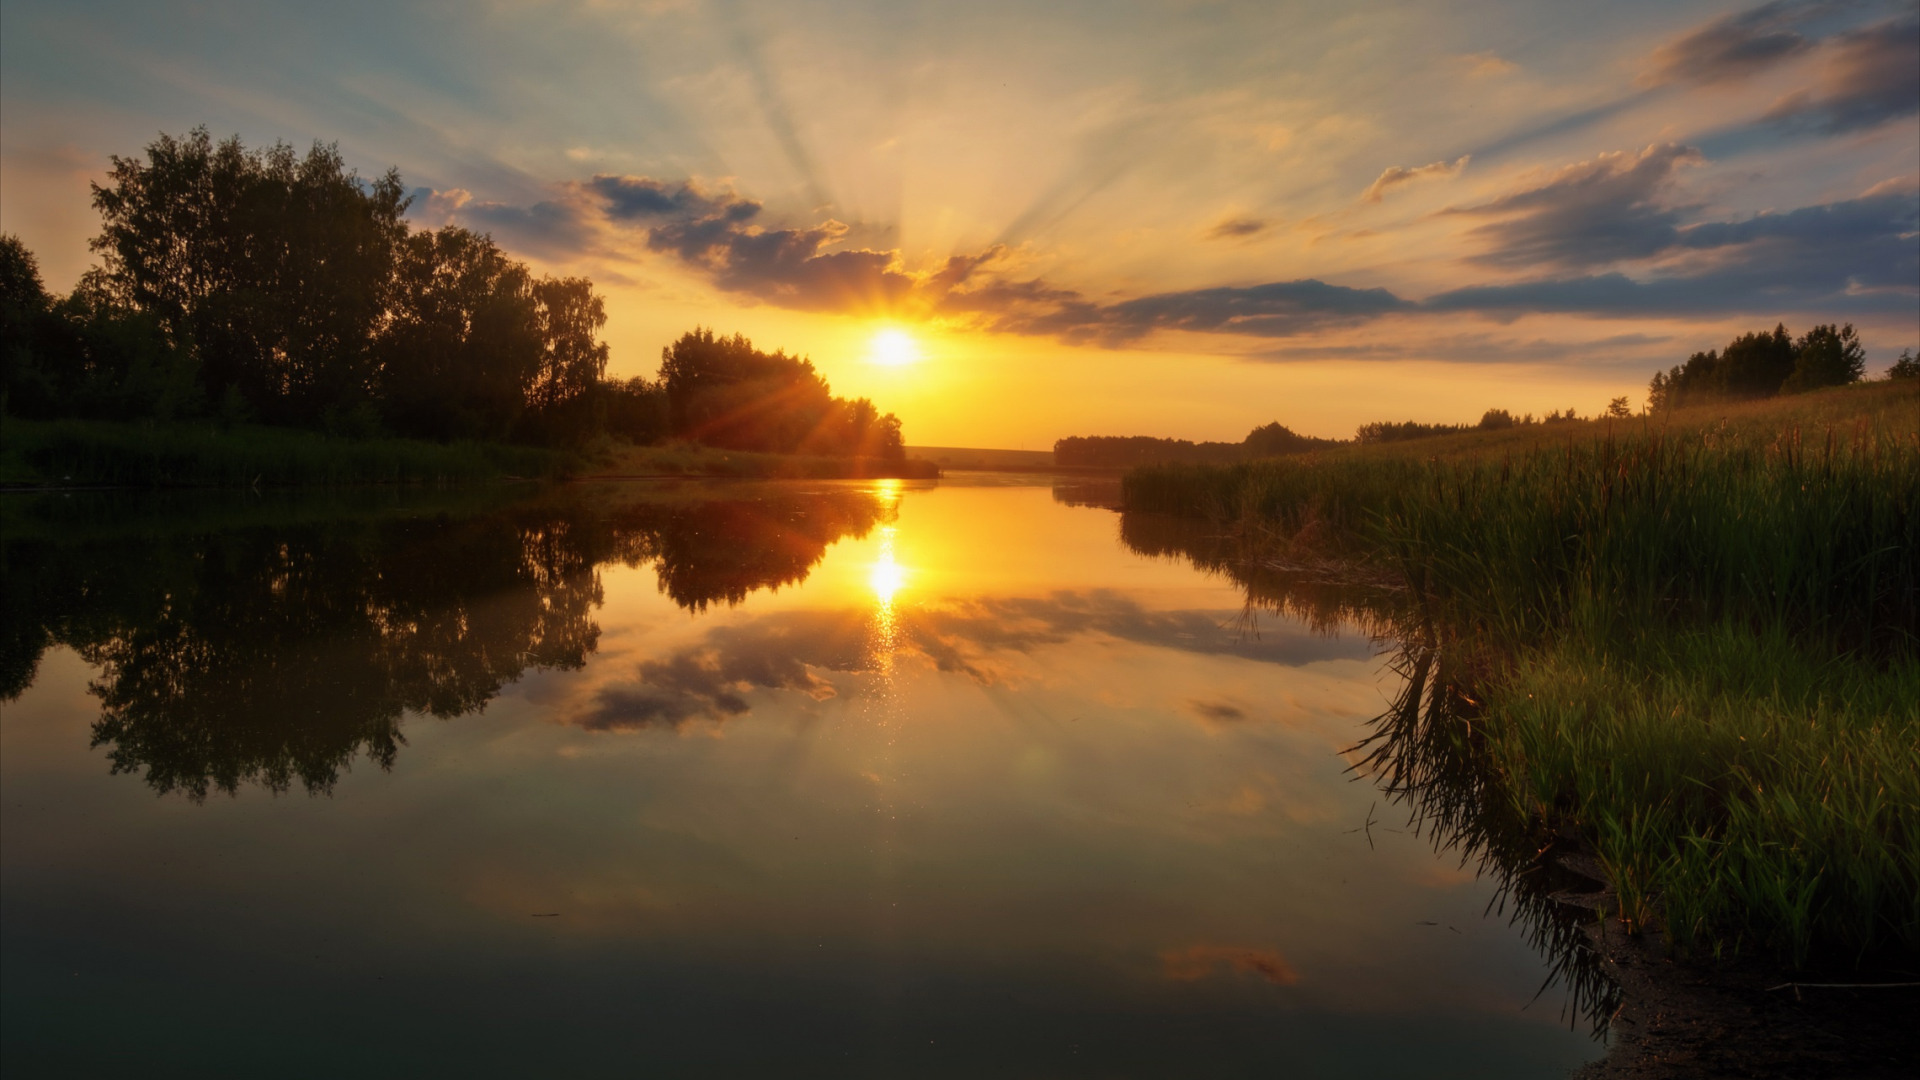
(893, 347)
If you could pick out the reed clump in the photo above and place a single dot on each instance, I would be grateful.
(1692, 642)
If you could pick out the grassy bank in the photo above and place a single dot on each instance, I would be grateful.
(622, 461)
(92, 453)
(78, 453)
(1689, 641)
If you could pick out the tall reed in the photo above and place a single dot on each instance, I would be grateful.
(1695, 645)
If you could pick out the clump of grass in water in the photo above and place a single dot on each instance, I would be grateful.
(1698, 647)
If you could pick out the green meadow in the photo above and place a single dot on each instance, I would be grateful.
(1689, 641)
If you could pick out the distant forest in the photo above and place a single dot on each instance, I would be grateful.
(1756, 365)
(1127, 451)
(260, 286)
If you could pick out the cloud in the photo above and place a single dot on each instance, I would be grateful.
(1872, 76)
(554, 228)
(1234, 228)
(1857, 255)
(712, 678)
(719, 232)
(1589, 214)
(1397, 175)
(1274, 309)
(1844, 256)
(1735, 46)
(641, 198)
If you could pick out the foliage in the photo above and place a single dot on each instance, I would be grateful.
(1388, 431)
(264, 285)
(723, 392)
(1760, 365)
(1906, 366)
(273, 267)
(635, 410)
(1826, 356)
(203, 455)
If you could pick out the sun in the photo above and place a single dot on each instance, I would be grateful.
(893, 347)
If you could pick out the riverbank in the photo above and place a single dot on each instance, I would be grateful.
(1689, 643)
(84, 453)
(89, 453)
(620, 461)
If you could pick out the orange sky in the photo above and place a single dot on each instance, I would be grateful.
(1169, 218)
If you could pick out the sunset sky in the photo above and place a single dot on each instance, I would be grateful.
(1174, 218)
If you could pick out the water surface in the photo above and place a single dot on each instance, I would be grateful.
(708, 779)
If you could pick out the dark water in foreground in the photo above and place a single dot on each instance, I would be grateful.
(833, 780)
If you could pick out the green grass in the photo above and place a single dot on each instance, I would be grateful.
(1689, 641)
(95, 453)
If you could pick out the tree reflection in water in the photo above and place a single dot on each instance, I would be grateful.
(1423, 752)
(255, 646)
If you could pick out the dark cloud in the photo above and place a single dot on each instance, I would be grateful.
(1275, 309)
(640, 198)
(719, 233)
(1854, 255)
(1872, 76)
(1736, 46)
(1590, 214)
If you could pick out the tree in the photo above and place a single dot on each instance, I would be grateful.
(573, 359)
(23, 310)
(463, 345)
(273, 268)
(1905, 367)
(1827, 356)
(1619, 408)
(724, 392)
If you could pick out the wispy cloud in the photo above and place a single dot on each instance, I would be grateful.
(1872, 76)
(1735, 46)
(1235, 228)
(1592, 213)
(1398, 175)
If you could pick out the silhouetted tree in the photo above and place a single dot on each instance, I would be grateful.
(635, 409)
(272, 267)
(1827, 355)
(463, 346)
(87, 354)
(1906, 366)
(1761, 365)
(724, 392)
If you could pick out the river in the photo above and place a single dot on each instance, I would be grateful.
(702, 778)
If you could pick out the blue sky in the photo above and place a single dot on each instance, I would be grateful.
(1176, 218)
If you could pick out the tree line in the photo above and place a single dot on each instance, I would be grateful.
(250, 285)
(1756, 365)
(1763, 364)
(1127, 451)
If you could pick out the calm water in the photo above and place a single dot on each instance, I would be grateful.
(876, 779)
